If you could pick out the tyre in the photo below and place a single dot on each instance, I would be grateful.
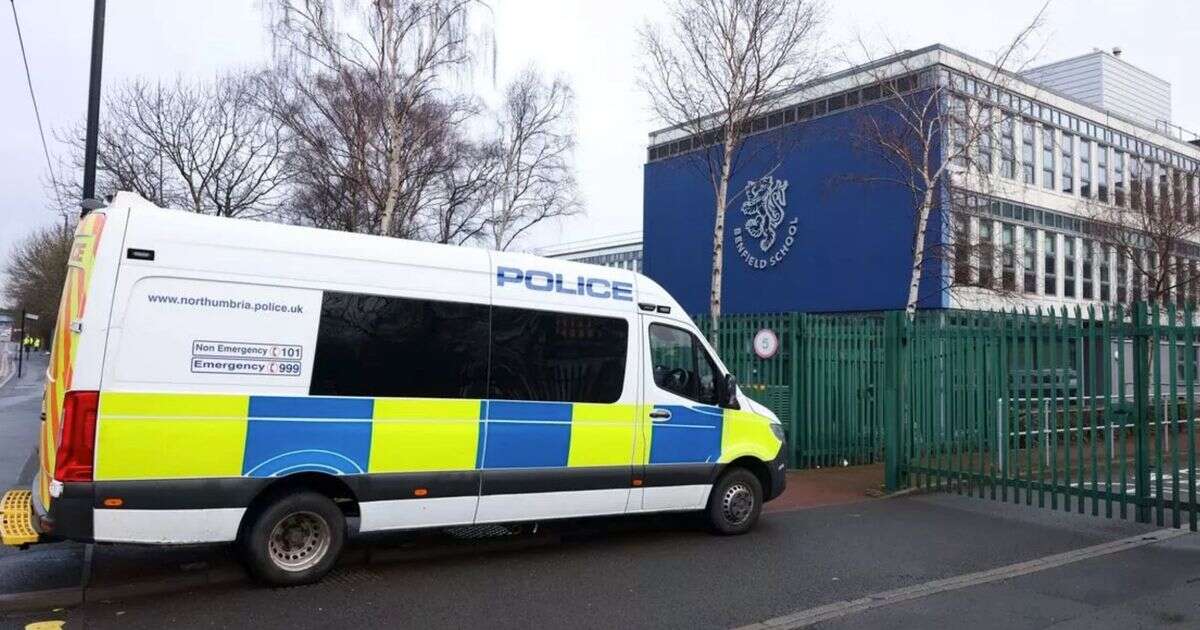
(735, 502)
(294, 539)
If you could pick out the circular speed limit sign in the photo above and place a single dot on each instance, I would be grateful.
(766, 343)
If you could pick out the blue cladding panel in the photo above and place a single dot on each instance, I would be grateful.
(324, 437)
(693, 434)
(311, 407)
(852, 248)
(525, 434)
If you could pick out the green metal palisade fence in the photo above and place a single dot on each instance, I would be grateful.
(823, 383)
(1092, 411)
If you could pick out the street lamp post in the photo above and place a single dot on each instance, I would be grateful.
(93, 109)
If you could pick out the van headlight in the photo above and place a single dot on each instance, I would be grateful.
(777, 430)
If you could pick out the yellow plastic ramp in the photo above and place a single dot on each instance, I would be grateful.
(16, 518)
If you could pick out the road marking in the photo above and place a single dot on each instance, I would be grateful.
(811, 616)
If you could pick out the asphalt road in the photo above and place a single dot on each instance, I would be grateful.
(661, 573)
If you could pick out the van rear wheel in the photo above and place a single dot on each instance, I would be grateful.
(735, 502)
(295, 539)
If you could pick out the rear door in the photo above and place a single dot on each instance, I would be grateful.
(62, 373)
(682, 422)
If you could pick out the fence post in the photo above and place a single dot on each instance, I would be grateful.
(1142, 413)
(796, 391)
(893, 417)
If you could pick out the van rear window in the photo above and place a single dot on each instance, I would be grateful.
(372, 345)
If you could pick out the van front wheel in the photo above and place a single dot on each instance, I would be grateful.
(735, 502)
(293, 540)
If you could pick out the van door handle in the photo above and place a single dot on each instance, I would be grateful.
(660, 415)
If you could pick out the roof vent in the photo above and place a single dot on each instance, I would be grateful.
(1116, 51)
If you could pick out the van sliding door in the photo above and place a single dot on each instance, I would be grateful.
(560, 416)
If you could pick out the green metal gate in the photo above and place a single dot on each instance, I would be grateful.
(823, 382)
(1093, 411)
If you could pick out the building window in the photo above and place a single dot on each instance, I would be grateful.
(1105, 271)
(1191, 195)
(1029, 260)
(984, 148)
(1102, 173)
(1085, 168)
(987, 254)
(1048, 158)
(1136, 184)
(1050, 260)
(1193, 282)
(1177, 189)
(1089, 253)
(1008, 165)
(1122, 278)
(958, 130)
(1068, 163)
(1027, 165)
(1179, 283)
(962, 250)
(1119, 178)
(1008, 257)
(1069, 267)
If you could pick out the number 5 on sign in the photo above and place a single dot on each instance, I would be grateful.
(766, 343)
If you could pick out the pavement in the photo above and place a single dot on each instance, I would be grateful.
(20, 409)
(825, 546)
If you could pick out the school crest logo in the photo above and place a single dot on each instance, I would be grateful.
(763, 240)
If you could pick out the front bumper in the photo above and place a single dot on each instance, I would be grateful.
(777, 472)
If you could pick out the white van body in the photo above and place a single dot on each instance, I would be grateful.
(207, 346)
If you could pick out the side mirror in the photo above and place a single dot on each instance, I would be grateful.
(731, 401)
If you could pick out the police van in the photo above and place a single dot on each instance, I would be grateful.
(281, 387)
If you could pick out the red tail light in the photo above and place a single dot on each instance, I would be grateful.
(77, 445)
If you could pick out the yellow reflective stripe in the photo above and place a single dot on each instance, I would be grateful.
(602, 435)
(747, 433)
(165, 436)
(415, 435)
(174, 405)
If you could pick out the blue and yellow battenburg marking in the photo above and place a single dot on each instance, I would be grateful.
(164, 436)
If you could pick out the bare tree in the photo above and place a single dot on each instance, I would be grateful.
(1155, 229)
(715, 67)
(357, 91)
(206, 147)
(37, 270)
(929, 132)
(464, 193)
(534, 179)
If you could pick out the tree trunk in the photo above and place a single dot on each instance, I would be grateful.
(914, 283)
(393, 158)
(718, 263)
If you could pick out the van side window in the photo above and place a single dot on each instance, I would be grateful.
(543, 355)
(371, 345)
(682, 366)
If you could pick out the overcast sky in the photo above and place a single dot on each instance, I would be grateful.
(591, 42)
